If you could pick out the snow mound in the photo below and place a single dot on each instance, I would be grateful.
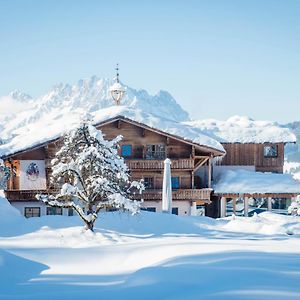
(265, 223)
(242, 181)
(241, 129)
(7, 211)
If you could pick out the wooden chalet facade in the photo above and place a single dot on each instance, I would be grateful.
(264, 157)
(253, 157)
(144, 149)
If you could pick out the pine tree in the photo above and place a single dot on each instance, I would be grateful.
(92, 175)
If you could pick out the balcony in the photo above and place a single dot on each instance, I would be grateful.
(144, 164)
(181, 194)
(23, 195)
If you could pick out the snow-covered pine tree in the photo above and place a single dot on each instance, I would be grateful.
(92, 175)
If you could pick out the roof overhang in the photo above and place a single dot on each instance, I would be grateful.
(206, 149)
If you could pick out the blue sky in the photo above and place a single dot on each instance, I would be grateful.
(217, 58)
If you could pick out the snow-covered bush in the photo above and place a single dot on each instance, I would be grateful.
(294, 208)
(91, 175)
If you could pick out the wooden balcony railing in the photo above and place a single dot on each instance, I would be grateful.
(23, 195)
(151, 164)
(144, 164)
(181, 194)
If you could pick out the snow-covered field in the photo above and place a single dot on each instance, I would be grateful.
(149, 256)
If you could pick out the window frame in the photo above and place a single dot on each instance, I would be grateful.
(49, 208)
(155, 151)
(151, 179)
(32, 215)
(271, 146)
(175, 211)
(149, 209)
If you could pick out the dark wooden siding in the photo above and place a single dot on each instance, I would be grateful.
(253, 155)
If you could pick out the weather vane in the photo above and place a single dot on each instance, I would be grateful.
(117, 91)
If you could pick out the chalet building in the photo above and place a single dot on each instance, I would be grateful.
(229, 175)
(249, 178)
(144, 149)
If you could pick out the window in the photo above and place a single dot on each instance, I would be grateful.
(70, 212)
(151, 209)
(149, 182)
(200, 210)
(155, 151)
(270, 151)
(32, 212)
(175, 182)
(175, 210)
(126, 150)
(54, 211)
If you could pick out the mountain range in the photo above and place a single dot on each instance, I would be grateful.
(89, 95)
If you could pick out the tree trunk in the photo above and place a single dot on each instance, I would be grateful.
(89, 226)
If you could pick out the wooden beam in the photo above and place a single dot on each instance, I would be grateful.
(257, 195)
(193, 179)
(119, 124)
(200, 163)
(209, 172)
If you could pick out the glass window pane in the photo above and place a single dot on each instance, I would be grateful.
(54, 211)
(149, 182)
(175, 182)
(280, 205)
(30, 212)
(175, 210)
(200, 210)
(257, 205)
(270, 151)
(155, 151)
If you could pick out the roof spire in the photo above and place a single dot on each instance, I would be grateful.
(117, 91)
(117, 70)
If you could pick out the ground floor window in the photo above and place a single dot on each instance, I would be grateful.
(200, 210)
(175, 210)
(70, 212)
(30, 212)
(280, 205)
(151, 209)
(54, 211)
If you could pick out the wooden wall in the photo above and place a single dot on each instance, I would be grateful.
(139, 138)
(253, 155)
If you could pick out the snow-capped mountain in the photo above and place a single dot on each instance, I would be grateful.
(87, 95)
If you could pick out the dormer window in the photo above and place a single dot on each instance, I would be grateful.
(270, 151)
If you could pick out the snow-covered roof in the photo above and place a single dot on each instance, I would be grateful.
(57, 123)
(247, 182)
(240, 129)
